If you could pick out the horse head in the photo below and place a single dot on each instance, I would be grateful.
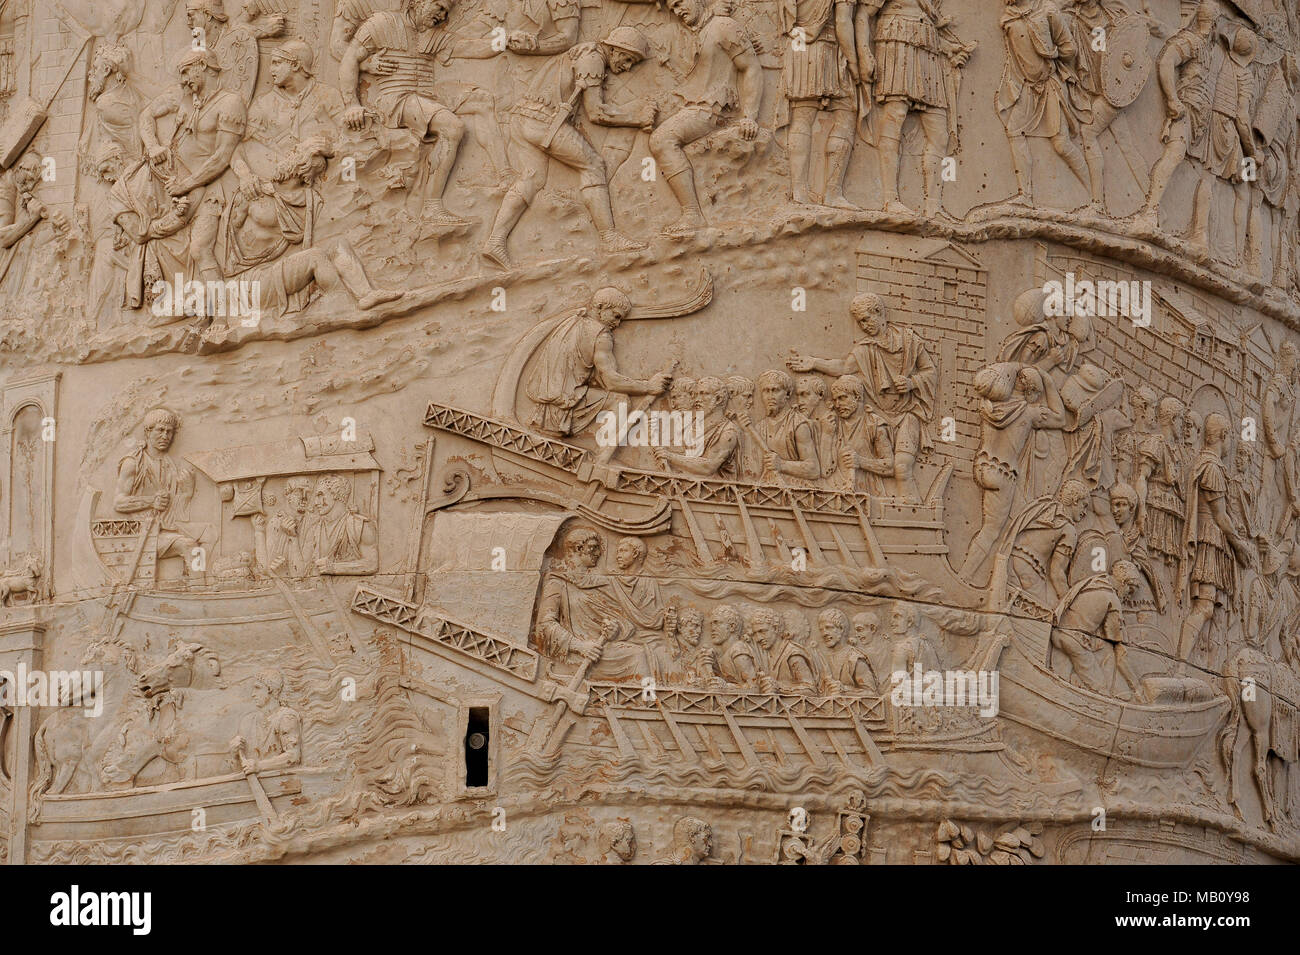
(187, 665)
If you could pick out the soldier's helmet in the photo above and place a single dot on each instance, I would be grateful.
(629, 40)
(297, 52)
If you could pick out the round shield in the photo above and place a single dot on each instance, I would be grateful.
(1127, 62)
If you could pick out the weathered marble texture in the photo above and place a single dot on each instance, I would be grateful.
(585, 431)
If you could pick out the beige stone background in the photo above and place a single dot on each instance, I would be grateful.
(382, 706)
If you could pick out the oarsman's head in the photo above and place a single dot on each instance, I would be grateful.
(160, 427)
(796, 628)
(582, 547)
(868, 311)
(711, 395)
(692, 839)
(847, 395)
(426, 14)
(109, 59)
(630, 554)
(1123, 503)
(833, 625)
(742, 392)
(1125, 577)
(1216, 430)
(625, 48)
(291, 64)
(725, 625)
(267, 687)
(809, 393)
(1074, 497)
(866, 627)
(690, 12)
(198, 69)
(202, 14)
(690, 626)
(776, 388)
(297, 491)
(333, 491)
(681, 394)
(902, 619)
(619, 838)
(764, 628)
(1170, 416)
(610, 306)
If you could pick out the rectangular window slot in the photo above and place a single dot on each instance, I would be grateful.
(478, 730)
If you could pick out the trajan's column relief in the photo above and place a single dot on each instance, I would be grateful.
(650, 431)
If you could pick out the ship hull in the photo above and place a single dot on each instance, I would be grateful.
(1161, 736)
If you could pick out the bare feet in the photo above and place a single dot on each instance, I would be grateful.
(377, 297)
(840, 201)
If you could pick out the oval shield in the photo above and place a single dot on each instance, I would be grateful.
(1126, 67)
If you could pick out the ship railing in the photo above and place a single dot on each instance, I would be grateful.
(684, 701)
(495, 651)
(579, 461)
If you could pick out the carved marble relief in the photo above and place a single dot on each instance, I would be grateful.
(627, 432)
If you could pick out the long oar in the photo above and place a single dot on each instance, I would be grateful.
(604, 455)
(558, 708)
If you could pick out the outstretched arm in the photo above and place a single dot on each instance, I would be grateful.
(613, 380)
(565, 35)
(603, 113)
(704, 465)
(474, 48)
(827, 366)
